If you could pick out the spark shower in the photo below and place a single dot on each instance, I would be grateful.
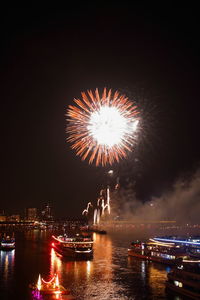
(102, 128)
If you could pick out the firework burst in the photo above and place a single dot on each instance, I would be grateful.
(102, 129)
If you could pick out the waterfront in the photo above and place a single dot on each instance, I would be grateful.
(111, 274)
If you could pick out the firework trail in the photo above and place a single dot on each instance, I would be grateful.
(108, 199)
(95, 216)
(101, 192)
(102, 128)
(104, 207)
(85, 211)
(98, 201)
(98, 216)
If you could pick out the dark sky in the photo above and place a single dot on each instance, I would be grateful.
(49, 56)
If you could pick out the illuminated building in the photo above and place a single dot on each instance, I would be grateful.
(2, 218)
(47, 213)
(31, 214)
(13, 218)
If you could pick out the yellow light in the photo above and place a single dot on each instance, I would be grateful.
(57, 292)
(161, 243)
(39, 283)
(88, 267)
(57, 281)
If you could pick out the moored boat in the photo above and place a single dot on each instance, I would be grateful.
(167, 253)
(190, 244)
(185, 279)
(7, 242)
(75, 247)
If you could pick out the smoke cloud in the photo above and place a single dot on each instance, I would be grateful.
(181, 203)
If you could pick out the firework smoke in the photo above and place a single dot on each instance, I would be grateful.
(179, 203)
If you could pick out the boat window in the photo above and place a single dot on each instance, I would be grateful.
(178, 283)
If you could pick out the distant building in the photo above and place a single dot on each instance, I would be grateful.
(2, 218)
(31, 214)
(13, 218)
(47, 213)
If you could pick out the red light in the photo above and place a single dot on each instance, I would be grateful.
(52, 244)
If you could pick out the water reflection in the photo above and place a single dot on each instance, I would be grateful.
(143, 270)
(153, 276)
(110, 275)
(157, 277)
(103, 250)
(56, 264)
(7, 261)
(85, 277)
(94, 279)
(64, 268)
(88, 269)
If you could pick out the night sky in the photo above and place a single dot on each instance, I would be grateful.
(48, 57)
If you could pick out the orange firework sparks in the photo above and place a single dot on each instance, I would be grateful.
(103, 128)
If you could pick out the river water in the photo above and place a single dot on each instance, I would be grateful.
(110, 275)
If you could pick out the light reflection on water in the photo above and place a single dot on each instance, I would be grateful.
(110, 275)
(7, 262)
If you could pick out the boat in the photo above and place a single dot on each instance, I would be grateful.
(51, 287)
(185, 279)
(162, 252)
(7, 242)
(78, 246)
(191, 244)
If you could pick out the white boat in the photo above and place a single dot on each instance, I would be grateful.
(7, 243)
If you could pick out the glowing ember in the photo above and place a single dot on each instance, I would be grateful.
(102, 129)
